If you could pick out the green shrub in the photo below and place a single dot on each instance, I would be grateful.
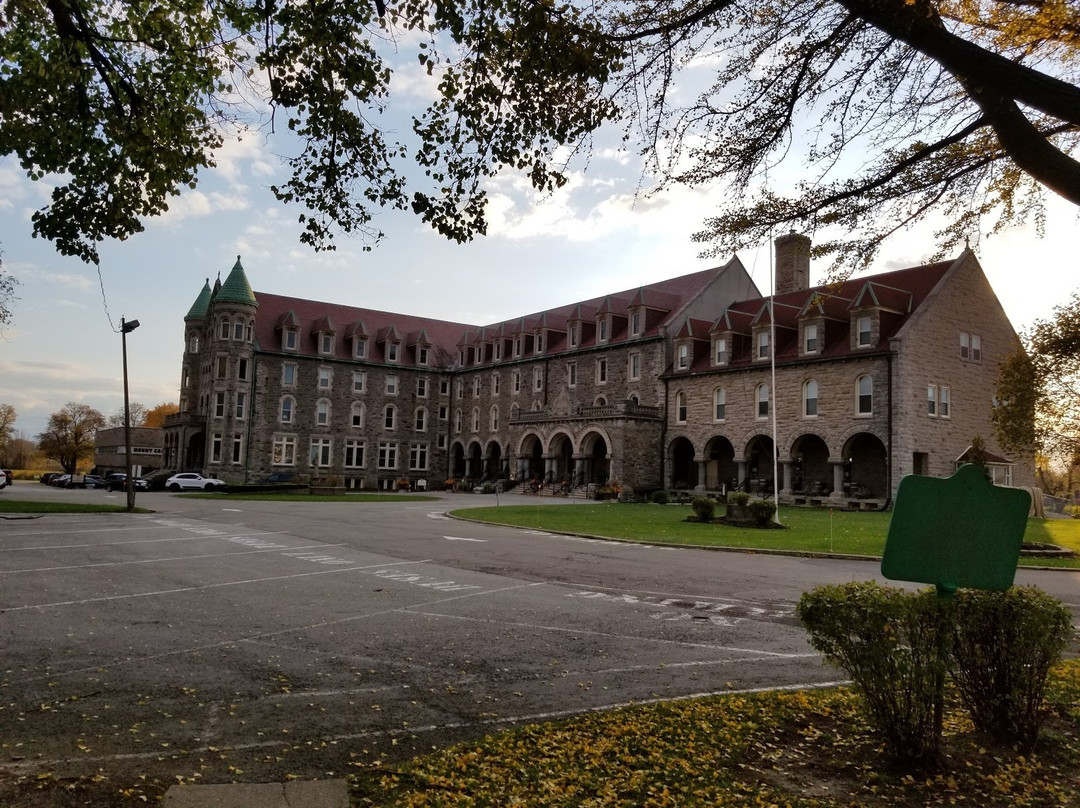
(738, 498)
(762, 510)
(886, 639)
(704, 507)
(1004, 646)
(660, 498)
(488, 489)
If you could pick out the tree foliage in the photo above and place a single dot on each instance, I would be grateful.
(1038, 388)
(138, 415)
(7, 426)
(69, 437)
(898, 109)
(8, 282)
(155, 416)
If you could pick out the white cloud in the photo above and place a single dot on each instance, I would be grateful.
(196, 204)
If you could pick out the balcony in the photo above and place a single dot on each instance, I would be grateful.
(622, 409)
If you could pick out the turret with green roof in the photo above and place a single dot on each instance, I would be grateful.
(201, 305)
(236, 288)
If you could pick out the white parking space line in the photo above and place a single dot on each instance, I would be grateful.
(53, 532)
(462, 538)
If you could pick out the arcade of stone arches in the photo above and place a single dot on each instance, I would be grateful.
(561, 457)
(857, 467)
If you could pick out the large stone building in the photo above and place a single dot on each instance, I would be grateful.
(671, 385)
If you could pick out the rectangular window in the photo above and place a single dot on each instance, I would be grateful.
(359, 381)
(219, 404)
(242, 370)
(538, 379)
(965, 345)
(572, 336)
(810, 339)
(238, 450)
(286, 410)
(326, 343)
(444, 412)
(387, 455)
(635, 323)
(517, 346)
(354, 454)
(391, 385)
(460, 388)
(516, 381)
(976, 349)
(421, 388)
(440, 442)
(635, 366)
(420, 422)
(763, 345)
(444, 387)
(603, 331)
(418, 455)
(863, 327)
(238, 330)
(970, 347)
(498, 350)
(931, 400)
(720, 354)
(325, 374)
(683, 354)
(392, 352)
(320, 452)
(571, 374)
(215, 448)
(284, 452)
(222, 367)
(421, 355)
(719, 404)
(360, 348)
(241, 406)
(494, 384)
(601, 371)
(538, 343)
(476, 387)
(944, 403)
(288, 339)
(288, 374)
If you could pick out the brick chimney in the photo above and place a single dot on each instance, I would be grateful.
(792, 263)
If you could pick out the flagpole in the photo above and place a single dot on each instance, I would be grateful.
(772, 383)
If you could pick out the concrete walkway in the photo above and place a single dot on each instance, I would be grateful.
(295, 794)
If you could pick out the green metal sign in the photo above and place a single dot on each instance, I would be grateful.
(963, 531)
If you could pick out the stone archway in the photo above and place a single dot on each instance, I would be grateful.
(474, 461)
(562, 458)
(811, 471)
(681, 462)
(759, 465)
(457, 461)
(531, 458)
(595, 458)
(493, 462)
(195, 453)
(866, 466)
(721, 467)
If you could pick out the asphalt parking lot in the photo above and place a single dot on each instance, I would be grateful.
(218, 641)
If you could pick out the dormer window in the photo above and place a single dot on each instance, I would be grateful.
(635, 323)
(762, 345)
(326, 343)
(603, 329)
(288, 339)
(572, 335)
(538, 343)
(392, 351)
(360, 348)
(517, 345)
(720, 351)
(810, 338)
(863, 331)
(498, 350)
(683, 356)
(422, 355)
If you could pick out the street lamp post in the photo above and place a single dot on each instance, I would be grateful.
(125, 328)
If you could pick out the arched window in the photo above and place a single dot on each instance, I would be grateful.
(719, 397)
(238, 330)
(680, 408)
(224, 332)
(514, 410)
(495, 419)
(600, 401)
(810, 398)
(457, 420)
(357, 414)
(390, 416)
(475, 419)
(421, 419)
(761, 396)
(322, 412)
(864, 392)
(287, 406)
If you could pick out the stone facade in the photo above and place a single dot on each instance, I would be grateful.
(670, 385)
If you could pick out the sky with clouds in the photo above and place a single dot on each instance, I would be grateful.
(595, 235)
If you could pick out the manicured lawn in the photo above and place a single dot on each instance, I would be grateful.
(295, 496)
(806, 529)
(798, 749)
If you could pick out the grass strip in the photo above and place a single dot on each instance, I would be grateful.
(36, 506)
(803, 749)
(305, 497)
(809, 530)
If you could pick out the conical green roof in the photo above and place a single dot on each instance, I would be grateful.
(201, 305)
(236, 288)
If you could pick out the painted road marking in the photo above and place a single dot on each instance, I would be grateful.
(462, 538)
(438, 515)
(426, 581)
(685, 610)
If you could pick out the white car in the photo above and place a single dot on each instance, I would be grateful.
(190, 480)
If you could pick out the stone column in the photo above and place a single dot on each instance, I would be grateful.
(787, 476)
(468, 467)
(742, 472)
(702, 466)
(837, 477)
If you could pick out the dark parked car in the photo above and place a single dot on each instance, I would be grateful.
(48, 476)
(61, 481)
(277, 477)
(116, 482)
(92, 481)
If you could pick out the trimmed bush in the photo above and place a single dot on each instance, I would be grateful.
(704, 507)
(660, 498)
(1004, 646)
(762, 510)
(886, 639)
(738, 498)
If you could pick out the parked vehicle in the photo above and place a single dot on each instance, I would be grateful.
(277, 477)
(60, 481)
(92, 481)
(47, 477)
(190, 481)
(117, 482)
(5, 478)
